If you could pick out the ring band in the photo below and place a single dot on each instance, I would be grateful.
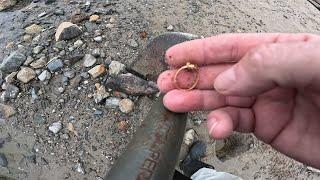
(191, 67)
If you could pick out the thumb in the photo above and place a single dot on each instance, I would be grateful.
(288, 65)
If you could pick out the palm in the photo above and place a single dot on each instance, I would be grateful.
(288, 121)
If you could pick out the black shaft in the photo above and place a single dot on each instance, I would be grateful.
(154, 150)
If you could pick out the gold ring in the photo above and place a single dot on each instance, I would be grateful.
(189, 67)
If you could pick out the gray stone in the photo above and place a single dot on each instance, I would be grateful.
(6, 111)
(97, 112)
(61, 45)
(112, 102)
(66, 31)
(133, 43)
(89, 60)
(13, 62)
(60, 89)
(28, 61)
(96, 52)
(126, 105)
(98, 39)
(55, 64)
(116, 67)
(85, 75)
(26, 74)
(65, 80)
(45, 75)
(40, 63)
(55, 127)
(69, 74)
(3, 160)
(37, 49)
(11, 77)
(34, 95)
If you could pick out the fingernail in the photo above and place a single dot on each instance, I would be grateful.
(212, 124)
(225, 80)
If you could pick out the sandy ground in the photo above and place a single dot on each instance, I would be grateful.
(35, 153)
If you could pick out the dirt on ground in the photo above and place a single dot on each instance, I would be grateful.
(60, 129)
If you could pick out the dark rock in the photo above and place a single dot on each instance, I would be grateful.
(66, 31)
(3, 160)
(75, 56)
(132, 85)
(13, 62)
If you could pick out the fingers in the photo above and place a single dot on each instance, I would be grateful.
(284, 65)
(222, 122)
(225, 48)
(207, 75)
(185, 101)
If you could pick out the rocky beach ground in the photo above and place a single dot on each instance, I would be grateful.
(65, 111)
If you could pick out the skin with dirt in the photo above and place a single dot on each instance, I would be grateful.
(34, 152)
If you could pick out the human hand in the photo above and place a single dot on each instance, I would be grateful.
(267, 84)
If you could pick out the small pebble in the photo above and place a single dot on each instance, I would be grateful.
(78, 43)
(98, 39)
(55, 64)
(45, 75)
(11, 77)
(116, 67)
(39, 63)
(89, 60)
(97, 112)
(94, 18)
(61, 89)
(26, 74)
(100, 94)
(189, 137)
(70, 74)
(55, 127)
(96, 52)
(37, 49)
(112, 102)
(97, 71)
(170, 28)
(126, 106)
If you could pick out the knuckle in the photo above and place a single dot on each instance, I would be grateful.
(261, 58)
